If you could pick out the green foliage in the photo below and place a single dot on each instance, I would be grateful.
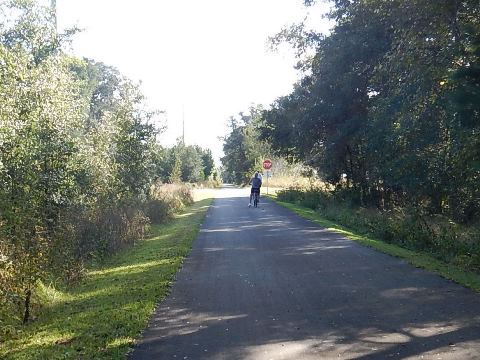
(39, 113)
(389, 108)
(166, 200)
(78, 161)
(184, 163)
(244, 151)
(101, 317)
(408, 227)
(418, 259)
(208, 163)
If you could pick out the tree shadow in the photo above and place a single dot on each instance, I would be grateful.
(271, 285)
(105, 312)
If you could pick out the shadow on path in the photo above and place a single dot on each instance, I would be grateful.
(266, 284)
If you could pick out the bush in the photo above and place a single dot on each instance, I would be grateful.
(166, 200)
(83, 234)
(410, 227)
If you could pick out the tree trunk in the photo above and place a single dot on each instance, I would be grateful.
(26, 315)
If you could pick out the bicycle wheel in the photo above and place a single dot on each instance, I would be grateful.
(255, 200)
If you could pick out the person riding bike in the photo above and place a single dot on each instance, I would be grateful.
(256, 183)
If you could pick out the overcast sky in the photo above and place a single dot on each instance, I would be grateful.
(202, 60)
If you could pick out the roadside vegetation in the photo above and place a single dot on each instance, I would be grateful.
(82, 175)
(433, 243)
(102, 315)
(384, 123)
(244, 152)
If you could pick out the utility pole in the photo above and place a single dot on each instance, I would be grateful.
(183, 125)
(53, 5)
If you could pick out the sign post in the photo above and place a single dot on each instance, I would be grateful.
(267, 165)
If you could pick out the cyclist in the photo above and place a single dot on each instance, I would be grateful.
(256, 183)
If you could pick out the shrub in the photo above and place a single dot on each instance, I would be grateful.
(411, 227)
(83, 234)
(166, 200)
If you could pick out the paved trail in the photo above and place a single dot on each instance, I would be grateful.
(265, 284)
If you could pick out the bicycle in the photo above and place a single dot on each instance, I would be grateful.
(256, 196)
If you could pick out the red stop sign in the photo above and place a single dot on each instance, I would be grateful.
(267, 164)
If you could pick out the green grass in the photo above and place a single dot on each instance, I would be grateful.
(418, 259)
(101, 317)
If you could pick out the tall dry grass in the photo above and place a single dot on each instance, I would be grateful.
(166, 200)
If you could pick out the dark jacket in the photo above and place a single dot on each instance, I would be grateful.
(256, 183)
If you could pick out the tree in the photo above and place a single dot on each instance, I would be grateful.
(387, 110)
(243, 149)
(77, 158)
(39, 115)
(133, 144)
(187, 163)
(207, 161)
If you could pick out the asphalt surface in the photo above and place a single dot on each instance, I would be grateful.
(266, 284)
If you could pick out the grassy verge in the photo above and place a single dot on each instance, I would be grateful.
(418, 259)
(101, 317)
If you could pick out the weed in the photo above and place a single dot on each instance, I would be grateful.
(100, 317)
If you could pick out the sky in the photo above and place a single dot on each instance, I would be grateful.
(198, 61)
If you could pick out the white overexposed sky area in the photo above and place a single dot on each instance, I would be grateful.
(203, 61)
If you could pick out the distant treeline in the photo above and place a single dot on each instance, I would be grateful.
(80, 167)
(243, 150)
(389, 108)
